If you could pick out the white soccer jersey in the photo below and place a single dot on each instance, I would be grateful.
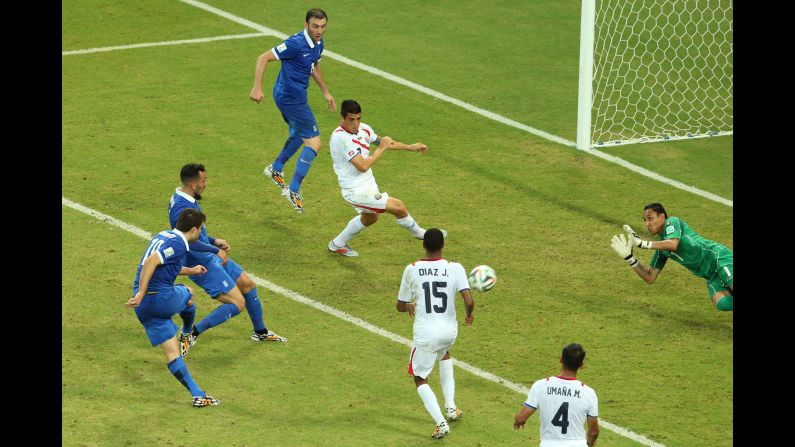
(344, 146)
(432, 284)
(563, 406)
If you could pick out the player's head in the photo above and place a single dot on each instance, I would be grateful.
(316, 21)
(572, 357)
(194, 178)
(190, 223)
(433, 241)
(654, 216)
(351, 113)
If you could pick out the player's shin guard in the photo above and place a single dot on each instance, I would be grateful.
(216, 317)
(448, 382)
(429, 400)
(188, 316)
(254, 308)
(290, 147)
(410, 224)
(180, 370)
(725, 303)
(354, 226)
(302, 167)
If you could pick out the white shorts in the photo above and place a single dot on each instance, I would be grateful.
(366, 200)
(421, 362)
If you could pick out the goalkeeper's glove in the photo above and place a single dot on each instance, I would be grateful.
(635, 239)
(623, 246)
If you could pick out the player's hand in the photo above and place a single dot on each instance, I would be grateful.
(222, 244)
(136, 300)
(517, 426)
(469, 319)
(636, 240)
(623, 247)
(332, 105)
(199, 269)
(419, 147)
(411, 309)
(256, 95)
(386, 142)
(224, 257)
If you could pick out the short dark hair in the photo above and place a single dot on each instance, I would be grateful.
(433, 240)
(573, 356)
(190, 172)
(190, 218)
(350, 106)
(657, 207)
(316, 13)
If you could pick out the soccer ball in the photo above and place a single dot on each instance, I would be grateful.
(482, 278)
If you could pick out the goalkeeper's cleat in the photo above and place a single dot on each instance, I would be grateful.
(453, 414)
(270, 336)
(185, 342)
(277, 177)
(441, 430)
(205, 401)
(344, 251)
(444, 235)
(295, 198)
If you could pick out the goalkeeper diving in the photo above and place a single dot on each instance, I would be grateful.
(707, 259)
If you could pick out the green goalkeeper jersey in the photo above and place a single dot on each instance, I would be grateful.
(695, 253)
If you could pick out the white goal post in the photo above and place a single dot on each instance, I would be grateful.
(654, 70)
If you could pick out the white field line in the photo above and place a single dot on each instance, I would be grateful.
(295, 296)
(472, 108)
(161, 44)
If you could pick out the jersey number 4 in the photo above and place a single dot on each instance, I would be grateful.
(561, 418)
(426, 286)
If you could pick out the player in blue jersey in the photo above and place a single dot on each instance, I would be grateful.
(225, 280)
(300, 57)
(156, 298)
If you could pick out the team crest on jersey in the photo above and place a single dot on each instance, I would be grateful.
(669, 229)
(378, 196)
(281, 48)
(168, 252)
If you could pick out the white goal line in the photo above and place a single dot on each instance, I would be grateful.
(295, 296)
(162, 44)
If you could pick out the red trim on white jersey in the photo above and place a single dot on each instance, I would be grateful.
(411, 370)
(566, 378)
(368, 132)
(360, 144)
(435, 259)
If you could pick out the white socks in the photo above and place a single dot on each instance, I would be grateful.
(429, 400)
(448, 382)
(355, 225)
(410, 224)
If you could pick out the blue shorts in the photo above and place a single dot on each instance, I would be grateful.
(219, 278)
(156, 310)
(300, 119)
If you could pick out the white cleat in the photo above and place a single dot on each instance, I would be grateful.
(344, 251)
(453, 414)
(441, 431)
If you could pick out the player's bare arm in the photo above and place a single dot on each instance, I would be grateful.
(222, 244)
(593, 431)
(363, 164)
(195, 270)
(646, 272)
(469, 305)
(147, 271)
(521, 416)
(259, 71)
(317, 75)
(416, 147)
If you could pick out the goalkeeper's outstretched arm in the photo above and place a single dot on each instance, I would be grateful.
(623, 247)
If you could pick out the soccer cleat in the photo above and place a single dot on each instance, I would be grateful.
(441, 430)
(185, 342)
(277, 177)
(444, 235)
(295, 198)
(453, 414)
(270, 336)
(205, 401)
(344, 251)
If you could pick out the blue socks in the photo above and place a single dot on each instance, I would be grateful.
(180, 370)
(188, 315)
(290, 147)
(254, 308)
(216, 317)
(302, 166)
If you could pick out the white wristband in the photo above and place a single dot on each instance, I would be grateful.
(645, 244)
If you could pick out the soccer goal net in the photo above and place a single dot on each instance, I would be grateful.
(654, 70)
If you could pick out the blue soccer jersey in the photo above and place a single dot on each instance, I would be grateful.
(298, 55)
(180, 201)
(171, 246)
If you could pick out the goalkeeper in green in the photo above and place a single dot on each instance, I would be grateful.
(707, 259)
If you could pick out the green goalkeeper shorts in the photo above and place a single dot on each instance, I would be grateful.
(723, 276)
